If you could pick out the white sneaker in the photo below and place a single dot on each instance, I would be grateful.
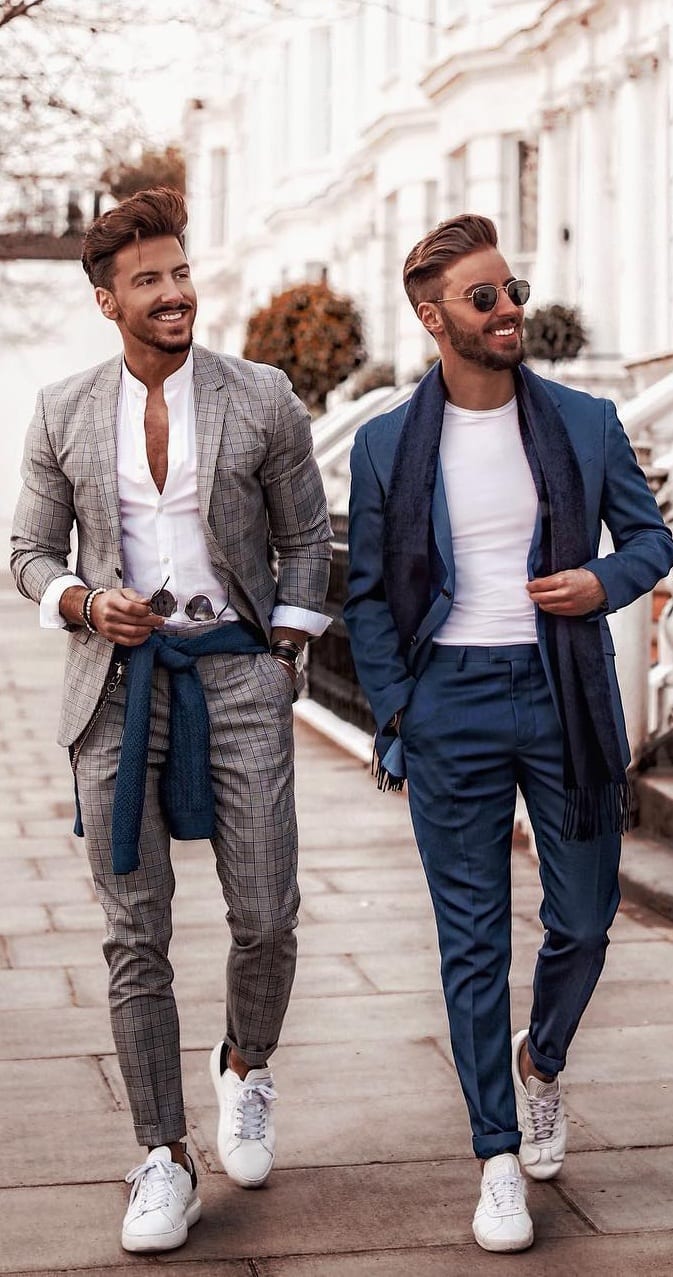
(163, 1205)
(246, 1139)
(501, 1221)
(541, 1117)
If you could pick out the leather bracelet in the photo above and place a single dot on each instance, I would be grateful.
(86, 609)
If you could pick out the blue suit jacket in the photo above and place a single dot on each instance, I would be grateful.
(615, 492)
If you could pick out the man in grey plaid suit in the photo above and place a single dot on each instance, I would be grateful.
(178, 468)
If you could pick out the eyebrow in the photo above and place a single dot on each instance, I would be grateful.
(146, 274)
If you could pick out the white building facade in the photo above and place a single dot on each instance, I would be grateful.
(337, 135)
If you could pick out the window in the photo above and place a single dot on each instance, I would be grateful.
(320, 89)
(457, 181)
(526, 222)
(219, 183)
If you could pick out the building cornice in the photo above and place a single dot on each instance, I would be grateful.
(550, 23)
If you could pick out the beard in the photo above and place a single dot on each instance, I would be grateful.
(149, 334)
(471, 346)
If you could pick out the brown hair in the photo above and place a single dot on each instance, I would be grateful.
(144, 215)
(446, 243)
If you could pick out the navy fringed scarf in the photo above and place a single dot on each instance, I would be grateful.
(597, 791)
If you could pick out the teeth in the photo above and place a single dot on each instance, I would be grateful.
(504, 332)
(167, 317)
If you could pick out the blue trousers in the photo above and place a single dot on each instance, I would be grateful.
(480, 722)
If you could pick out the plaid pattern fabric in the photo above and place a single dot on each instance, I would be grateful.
(250, 706)
(256, 474)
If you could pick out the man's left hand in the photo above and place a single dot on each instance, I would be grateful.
(571, 593)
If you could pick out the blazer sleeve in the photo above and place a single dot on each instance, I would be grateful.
(296, 504)
(44, 516)
(643, 552)
(374, 641)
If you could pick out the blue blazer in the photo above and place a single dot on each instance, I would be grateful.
(615, 492)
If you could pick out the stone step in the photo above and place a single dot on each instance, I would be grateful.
(646, 873)
(654, 790)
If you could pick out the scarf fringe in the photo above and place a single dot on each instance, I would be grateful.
(385, 781)
(591, 812)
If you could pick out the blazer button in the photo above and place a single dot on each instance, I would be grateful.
(413, 639)
(118, 572)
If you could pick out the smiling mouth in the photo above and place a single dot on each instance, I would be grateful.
(170, 316)
(509, 330)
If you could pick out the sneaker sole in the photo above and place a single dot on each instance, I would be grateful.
(165, 1241)
(501, 1245)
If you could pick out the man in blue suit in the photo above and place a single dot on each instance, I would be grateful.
(476, 615)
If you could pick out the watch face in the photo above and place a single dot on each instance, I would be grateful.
(299, 662)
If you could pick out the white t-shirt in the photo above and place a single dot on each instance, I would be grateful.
(492, 510)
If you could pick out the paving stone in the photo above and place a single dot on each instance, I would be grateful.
(633, 1002)
(622, 1191)
(564, 1257)
(628, 1054)
(83, 1147)
(17, 920)
(15, 870)
(59, 845)
(42, 1087)
(367, 935)
(623, 1115)
(28, 989)
(333, 907)
(60, 949)
(86, 916)
(47, 1034)
(356, 1019)
(31, 890)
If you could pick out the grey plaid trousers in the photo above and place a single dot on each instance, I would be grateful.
(249, 702)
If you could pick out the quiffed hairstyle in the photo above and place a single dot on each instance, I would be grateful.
(142, 216)
(428, 259)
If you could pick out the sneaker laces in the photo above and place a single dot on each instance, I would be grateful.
(507, 1193)
(252, 1109)
(543, 1111)
(153, 1186)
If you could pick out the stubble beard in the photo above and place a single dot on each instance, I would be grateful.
(471, 346)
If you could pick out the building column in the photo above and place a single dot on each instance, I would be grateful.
(551, 273)
(636, 207)
(595, 257)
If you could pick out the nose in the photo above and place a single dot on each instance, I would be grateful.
(171, 291)
(504, 304)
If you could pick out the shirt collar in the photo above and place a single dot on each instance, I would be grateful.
(172, 386)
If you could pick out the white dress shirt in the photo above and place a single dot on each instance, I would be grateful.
(163, 544)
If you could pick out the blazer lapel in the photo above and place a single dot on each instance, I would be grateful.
(102, 420)
(211, 401)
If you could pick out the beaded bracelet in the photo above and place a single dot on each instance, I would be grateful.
(86, 609)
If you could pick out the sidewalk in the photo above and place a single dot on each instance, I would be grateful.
(375, 1176)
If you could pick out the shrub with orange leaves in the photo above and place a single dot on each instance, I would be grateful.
(311, 333)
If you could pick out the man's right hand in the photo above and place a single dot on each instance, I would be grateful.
(121, 616)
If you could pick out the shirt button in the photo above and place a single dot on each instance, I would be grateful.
(165, 559)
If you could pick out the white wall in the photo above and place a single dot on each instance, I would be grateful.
(51, 327)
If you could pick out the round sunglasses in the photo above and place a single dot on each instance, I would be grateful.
(198, 608)
(484, 296)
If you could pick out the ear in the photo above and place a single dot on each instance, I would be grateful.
(107, 303)
(430, 318)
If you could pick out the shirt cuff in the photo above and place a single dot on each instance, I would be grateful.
(50, 617)
(299, 618)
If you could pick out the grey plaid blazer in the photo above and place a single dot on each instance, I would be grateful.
(256, 477)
